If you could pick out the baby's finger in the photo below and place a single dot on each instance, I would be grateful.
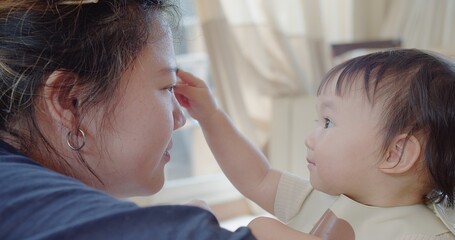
(190, 92)
(183, 101)
(182, 88)
(190, 79)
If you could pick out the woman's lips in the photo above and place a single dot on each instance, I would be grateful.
(167, 156)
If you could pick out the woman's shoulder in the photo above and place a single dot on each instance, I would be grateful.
(157, 222)
(23, 178)
(36, 198)
(39, 202)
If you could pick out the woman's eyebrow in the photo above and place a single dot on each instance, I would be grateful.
(167, 70)
(166, 73)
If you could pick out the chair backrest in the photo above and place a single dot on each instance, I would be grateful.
(341, 48)
(344, 51)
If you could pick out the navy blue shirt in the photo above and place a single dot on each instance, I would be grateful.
(38, 203)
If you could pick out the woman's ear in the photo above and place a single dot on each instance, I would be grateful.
(402, 155)
(61, 97)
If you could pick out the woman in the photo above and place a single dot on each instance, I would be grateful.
(87, 114)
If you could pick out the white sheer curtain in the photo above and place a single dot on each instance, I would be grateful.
(267, 56)
(353, 20)
(259, 50)
(422, 24)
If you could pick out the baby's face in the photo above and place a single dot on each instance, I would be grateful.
(344, 149)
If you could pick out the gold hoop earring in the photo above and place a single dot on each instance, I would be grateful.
(68, 142)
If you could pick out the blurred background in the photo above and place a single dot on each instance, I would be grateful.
(263, 60)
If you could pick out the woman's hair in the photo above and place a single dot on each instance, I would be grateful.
(417, 92)
(96, 42)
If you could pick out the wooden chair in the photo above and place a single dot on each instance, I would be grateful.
(344, 51)
(340, 48)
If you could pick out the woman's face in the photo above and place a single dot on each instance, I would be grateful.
(129, 152)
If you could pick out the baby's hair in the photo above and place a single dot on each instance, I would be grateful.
(416, 90)
(96, 42)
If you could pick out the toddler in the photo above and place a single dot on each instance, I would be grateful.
(381, 158)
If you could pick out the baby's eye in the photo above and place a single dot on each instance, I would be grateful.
(328, 123)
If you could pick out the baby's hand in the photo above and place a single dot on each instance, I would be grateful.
(194, 95)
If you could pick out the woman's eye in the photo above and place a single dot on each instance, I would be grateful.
(328, 123)
(171, 88)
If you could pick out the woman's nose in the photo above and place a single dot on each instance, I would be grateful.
(179, 116)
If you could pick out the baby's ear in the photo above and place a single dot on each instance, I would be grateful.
(61, 97)
(402, 155)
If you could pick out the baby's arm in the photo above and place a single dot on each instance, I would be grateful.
(265, 228)
(245, 166)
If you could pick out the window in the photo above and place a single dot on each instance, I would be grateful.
(192, 172)
(190, 157)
